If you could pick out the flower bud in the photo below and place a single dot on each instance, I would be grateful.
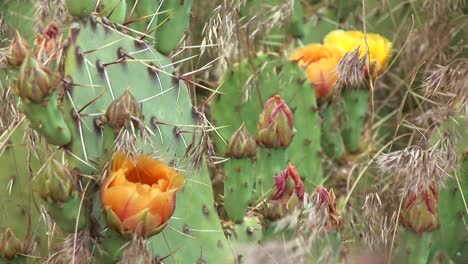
(275, 127)
(281, 183)
(120, 112)
(10, 246)
(282, 201)
(19, 48)
(241, 144)
(326, 200)
(420, 211)
(139, 195)
(34, 83)
(55, 183)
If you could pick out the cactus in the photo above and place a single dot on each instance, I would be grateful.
(98, 101)
(108, 155)
(173, 22)
(246, 89)
(240, 174)
(332, 142)
(112, 79)
(19, 197)
(452, 208)
(356, 105)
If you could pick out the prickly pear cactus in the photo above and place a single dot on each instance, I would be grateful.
(245, 89)
(99, 72)
(110, 88)
(335, 132)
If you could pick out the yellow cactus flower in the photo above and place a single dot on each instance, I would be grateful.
(139, 194)
(320, 63)
(380, 48)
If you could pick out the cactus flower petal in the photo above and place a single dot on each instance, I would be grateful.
(139, 194)
(379, 48)
(319, 62)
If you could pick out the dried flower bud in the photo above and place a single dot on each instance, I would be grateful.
(55, 183)
(241, 144)
(287, 183)
(281, 183)
(34, 83)
(47, 43)
(420, 211)
(275, 127)
(326, 200)
(10, 246)
(19, 48)
(119, 114)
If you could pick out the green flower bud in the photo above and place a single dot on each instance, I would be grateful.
(55, 183)
(34, 83)
(420, 211)
(19, 48)
(119, 114)
(275, 127)
(10, 246)
(241, 144)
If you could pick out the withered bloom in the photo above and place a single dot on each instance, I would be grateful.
(287, 194)
(139, 194)
(18, 50)
(10, 245)
(325, 200)
(281, 182)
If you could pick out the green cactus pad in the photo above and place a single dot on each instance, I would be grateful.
(248, 85)
(452, 236)
(80, 8)
(173, 23)
(194, 234)
(332, 142)
(413, 248)
(101, 64)
(115, 10)
(240, 179)
(356, 107)
(47, 119)
(19, 201)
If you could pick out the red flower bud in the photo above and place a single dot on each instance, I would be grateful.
(275, 127)
(420, 211)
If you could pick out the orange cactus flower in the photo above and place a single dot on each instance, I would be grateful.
(320, 62)
(379, 47)
(139, 194)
